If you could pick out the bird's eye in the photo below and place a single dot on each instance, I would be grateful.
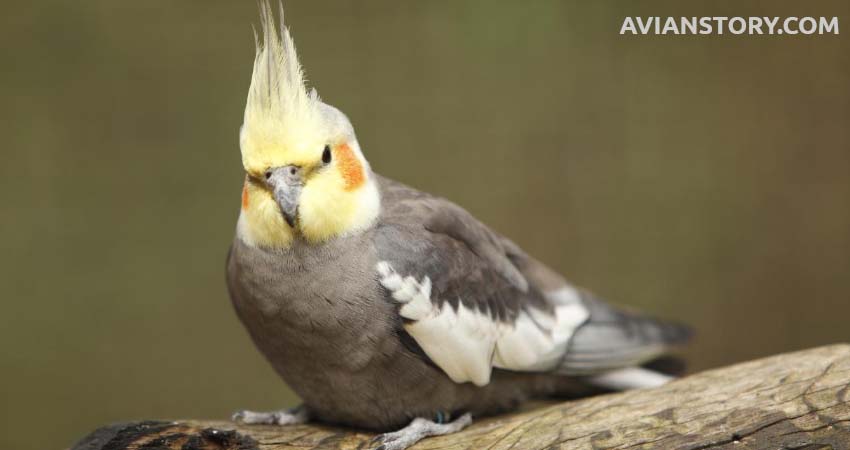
(326, 155)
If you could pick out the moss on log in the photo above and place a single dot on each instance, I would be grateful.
(798, 400)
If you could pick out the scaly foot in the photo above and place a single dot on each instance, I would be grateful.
(418, 429)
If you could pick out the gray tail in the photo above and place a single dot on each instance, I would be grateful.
(613, 339)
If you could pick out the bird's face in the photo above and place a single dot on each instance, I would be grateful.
(312, 182)
(305, 173)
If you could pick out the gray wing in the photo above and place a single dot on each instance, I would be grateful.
(611, 338)
(471, 299)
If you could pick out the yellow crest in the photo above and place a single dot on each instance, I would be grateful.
(281, 116)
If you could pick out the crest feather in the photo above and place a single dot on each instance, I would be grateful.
(278, 101)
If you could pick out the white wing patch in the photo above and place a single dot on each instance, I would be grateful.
(415, 296)
(467, 344)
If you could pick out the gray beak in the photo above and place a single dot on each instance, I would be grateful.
(286, 183)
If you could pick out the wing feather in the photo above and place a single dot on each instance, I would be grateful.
(474, 301)
(461, 294)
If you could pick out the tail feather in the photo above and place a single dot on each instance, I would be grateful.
(613, 339)
(629, 378)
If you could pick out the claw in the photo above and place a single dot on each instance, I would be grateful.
(418, 429)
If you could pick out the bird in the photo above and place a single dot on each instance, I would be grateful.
(390, 309)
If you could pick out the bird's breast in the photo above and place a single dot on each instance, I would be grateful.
(319, 305)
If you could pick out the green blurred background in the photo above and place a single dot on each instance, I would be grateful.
(704, 178)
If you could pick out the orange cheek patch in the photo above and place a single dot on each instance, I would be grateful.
(350, 167)
(245, 199)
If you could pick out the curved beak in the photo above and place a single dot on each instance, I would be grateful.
(286, 183)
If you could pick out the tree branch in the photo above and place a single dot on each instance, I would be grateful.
(791, 401)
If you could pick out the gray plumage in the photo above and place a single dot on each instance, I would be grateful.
(320, 315)
(384, 307)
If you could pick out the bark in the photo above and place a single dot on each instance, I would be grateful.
(793, 401)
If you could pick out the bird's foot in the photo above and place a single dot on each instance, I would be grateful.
(294, 416)
(419, 429)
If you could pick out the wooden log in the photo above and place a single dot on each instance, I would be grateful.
(793, 401)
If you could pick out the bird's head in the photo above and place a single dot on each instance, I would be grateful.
(305, 173)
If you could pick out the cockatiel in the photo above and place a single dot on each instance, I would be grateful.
(387, 308)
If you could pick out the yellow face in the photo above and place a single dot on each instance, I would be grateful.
(338, 197)
(305, 174)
